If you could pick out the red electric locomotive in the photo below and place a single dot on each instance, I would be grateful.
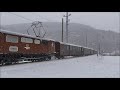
(14, 46)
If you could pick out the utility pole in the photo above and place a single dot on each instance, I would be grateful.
(67, 20)
(0, 20)
(98, 44)
(62, 29)
(86, 40)
(99, 47)
(115, 43)
(119, 34)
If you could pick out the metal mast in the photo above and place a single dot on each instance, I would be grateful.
(67, 20)
(119, 34)
(0, 20)
(62, 29)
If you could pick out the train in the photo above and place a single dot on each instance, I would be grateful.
(16, 46)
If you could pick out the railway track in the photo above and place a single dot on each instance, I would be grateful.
(24, 61)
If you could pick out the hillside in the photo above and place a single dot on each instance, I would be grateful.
(77, 34)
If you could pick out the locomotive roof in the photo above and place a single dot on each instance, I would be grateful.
(24, 35)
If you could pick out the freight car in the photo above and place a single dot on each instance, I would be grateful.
(66, 49)
(15, 46)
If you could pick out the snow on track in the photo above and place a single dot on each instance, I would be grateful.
(81, 67)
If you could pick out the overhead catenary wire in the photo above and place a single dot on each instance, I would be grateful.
(47, 19)
(27, 19)
(21, 16)
(31, 19)
(44, 19)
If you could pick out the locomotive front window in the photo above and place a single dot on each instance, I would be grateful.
(10, 38)
(26, 40)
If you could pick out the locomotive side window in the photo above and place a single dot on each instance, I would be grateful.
(26, 40)
(37, 41)
(10, 38)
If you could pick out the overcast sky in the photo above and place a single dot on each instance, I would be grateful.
(99, 20)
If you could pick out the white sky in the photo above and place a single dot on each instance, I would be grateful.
(99, 20)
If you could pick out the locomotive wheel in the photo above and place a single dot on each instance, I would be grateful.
(47, 59)
(2, 62)
(58, 58)
(33, 60)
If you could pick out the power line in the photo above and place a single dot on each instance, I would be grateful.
(33, 20)
(49, 19)
(29, 20)
(46, 18)
(20, 16)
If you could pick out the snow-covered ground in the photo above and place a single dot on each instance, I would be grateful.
(81, 67)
